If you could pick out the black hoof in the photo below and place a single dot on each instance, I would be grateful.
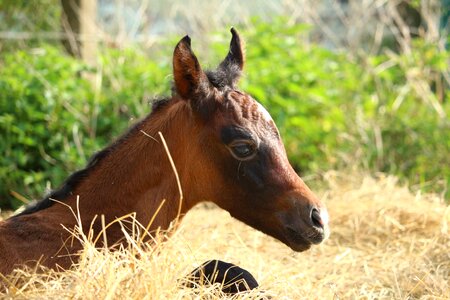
(232, 278)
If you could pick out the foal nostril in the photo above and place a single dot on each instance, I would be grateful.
(316, 220)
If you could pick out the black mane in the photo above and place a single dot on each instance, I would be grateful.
(68, 186)
(77, 177)
(224, 76)
(158, 104)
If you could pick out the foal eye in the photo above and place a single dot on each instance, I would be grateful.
(242, 149)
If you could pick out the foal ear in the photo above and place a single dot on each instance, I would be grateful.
(233, 63)
(188, 75)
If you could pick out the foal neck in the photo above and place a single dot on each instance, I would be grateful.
(136, 174)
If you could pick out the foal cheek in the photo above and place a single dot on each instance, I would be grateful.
(255, 176)
(252, 177)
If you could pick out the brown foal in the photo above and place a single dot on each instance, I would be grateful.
(226, 149)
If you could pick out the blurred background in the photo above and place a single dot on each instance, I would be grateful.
(352, 85)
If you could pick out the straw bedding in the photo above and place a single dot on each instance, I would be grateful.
(386, 243)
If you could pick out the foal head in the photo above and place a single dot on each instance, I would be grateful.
(242, 164)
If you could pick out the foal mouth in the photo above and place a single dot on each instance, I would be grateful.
(296, 241)
(299, 240)
(312, 236)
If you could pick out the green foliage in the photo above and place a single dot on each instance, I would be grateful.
(383, 113)
(42, 106)
(55, 112)
(334, 111)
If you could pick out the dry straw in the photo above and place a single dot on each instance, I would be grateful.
(386, 243)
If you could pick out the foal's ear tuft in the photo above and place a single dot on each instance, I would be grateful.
(233, 63)
(188, 75)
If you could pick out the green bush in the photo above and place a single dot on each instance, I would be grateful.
(43, 104)
(55, 112)
(333, 110)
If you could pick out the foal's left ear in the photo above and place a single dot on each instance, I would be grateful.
(188, 75)
(233, 63)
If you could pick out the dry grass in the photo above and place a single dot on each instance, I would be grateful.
(386, 244)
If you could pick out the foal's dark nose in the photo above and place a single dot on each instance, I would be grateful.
(316, 219)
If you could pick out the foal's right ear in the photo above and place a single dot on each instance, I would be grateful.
(189, 76)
